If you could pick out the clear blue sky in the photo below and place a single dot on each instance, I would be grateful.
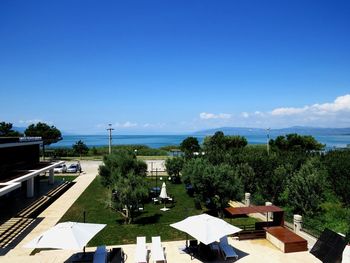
(174, 66)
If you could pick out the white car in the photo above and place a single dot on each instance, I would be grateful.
(74, 168)
(62, 168)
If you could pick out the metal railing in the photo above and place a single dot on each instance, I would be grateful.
(311, 230)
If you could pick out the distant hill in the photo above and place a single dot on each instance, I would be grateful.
(295, 129)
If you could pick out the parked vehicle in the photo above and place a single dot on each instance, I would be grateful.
(62, 168)
(74, 168)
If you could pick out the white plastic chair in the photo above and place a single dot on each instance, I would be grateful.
(141, 250)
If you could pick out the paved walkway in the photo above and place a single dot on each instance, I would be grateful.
(55, 211)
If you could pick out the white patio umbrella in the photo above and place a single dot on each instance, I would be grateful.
(163, 194)
(66, 235)
(205, 228)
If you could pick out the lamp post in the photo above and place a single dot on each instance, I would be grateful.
(268, 140)
(156, 179)
(110, 129)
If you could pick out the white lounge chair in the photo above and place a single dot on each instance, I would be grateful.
(100, 255)
(227, 250)
(141, 250)
(158, 254)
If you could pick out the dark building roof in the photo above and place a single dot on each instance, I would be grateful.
(18, 141)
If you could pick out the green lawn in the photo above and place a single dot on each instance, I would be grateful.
(150, 222)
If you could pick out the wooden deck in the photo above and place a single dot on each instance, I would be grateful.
(285, 240)
(252, 209)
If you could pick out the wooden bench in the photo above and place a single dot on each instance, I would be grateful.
(251, 234)
(286, 240)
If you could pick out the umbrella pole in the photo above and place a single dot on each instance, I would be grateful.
(84, 222)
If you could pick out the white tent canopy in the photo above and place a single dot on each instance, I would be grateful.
(67, 235)
(205, 228)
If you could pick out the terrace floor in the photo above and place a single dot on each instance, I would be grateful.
(248, 250)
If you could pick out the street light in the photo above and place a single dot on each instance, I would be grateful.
(156, 177)
(268, 140)
(110, 129)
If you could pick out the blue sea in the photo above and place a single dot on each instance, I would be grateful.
(157, 141)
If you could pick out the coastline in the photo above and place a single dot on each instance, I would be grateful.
(157, 141)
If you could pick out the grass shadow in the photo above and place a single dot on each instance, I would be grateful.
(148, 219)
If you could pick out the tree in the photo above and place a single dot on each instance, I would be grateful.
(305, 190)
(174, 167)
(49, 134)
(80, 148)
(296, 142)
(213, 184)
(216, 147)
(189, 146)
(7, 131)
(119, 164)
(129, 192)
(277, 182)
(125, 176)
(338, 166)
(247, 176)
(232, 142)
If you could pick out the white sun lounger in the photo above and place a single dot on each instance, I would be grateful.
(141, 250)
(227, 250)
(158, 254)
